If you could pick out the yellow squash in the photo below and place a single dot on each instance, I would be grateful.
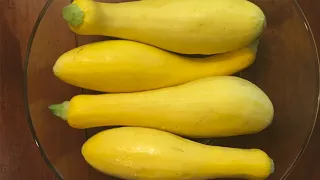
(126, 66)
(183, 26)
(135, 153)
(209, 107)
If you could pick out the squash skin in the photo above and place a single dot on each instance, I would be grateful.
(135, 153)
(182, 26)
(126, 66)
(210, 107)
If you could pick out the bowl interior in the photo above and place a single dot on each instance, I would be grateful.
(286, 69)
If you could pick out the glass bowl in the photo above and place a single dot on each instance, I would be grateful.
(287, 69)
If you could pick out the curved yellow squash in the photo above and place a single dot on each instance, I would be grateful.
(135, 153)
(126, 66)
(209, 107)
(183, 26)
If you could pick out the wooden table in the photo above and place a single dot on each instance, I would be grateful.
(19, 157)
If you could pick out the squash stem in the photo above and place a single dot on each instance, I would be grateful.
(73, 15)
(60, 110)
(254, 45)
(272, 167)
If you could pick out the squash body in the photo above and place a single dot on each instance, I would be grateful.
(182, 26)
(209, 107)
(126, 66)
(135, 153)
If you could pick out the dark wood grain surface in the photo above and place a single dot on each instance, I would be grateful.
(19, 156)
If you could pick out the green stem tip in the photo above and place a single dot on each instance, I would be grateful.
(272, 167)
(60, 110)
(73, 15)
(254, 45)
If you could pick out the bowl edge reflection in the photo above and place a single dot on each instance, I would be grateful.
(311, 36)
(25, 89)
